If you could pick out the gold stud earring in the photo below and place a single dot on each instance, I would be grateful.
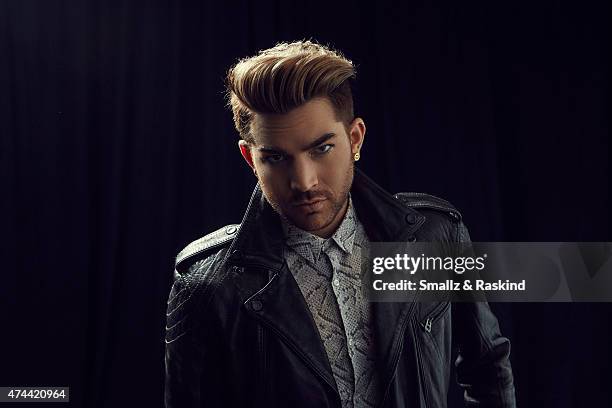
(357, 156)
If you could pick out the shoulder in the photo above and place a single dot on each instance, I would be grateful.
(204, 247)
(442, 219)
(197, 273)
(428, 202)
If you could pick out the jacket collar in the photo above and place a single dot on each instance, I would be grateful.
(280, 305)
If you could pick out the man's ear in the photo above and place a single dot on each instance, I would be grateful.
(357, 134)
(245, 150)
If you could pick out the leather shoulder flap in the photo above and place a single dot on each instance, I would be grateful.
(428, 201)
(202, 247)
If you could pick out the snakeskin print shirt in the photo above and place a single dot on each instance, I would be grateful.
(328, 272)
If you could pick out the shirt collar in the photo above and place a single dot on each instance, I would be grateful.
(343, 237)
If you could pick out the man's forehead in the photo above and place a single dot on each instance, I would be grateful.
(302, 125)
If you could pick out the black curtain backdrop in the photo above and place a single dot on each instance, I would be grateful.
(116, 151)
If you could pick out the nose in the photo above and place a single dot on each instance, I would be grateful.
(303, 175)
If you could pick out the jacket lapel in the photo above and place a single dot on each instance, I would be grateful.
(276, 301)
(386, 219)
(284, 310)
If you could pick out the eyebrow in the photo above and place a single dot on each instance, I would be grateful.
(315, 143)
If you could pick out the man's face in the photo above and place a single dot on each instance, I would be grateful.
(304, 163)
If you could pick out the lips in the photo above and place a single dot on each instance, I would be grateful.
(311, 202)
(310, 207)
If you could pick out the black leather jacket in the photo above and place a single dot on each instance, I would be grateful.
(239, 333)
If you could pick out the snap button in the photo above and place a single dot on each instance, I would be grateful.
(256, 305)
(411, 218)
(230, 230)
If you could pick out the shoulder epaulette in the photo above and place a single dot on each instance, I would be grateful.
(208, 242)
(423, 200)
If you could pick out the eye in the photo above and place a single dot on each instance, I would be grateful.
(323, 149)
(273, 158)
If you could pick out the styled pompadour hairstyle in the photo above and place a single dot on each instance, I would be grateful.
(283, 77)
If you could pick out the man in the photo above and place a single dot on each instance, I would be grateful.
(271, 312)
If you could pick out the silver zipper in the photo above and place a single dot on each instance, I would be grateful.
(435, 315)
(428, 325)
(422, 371)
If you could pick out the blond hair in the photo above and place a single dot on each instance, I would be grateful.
(283, 77)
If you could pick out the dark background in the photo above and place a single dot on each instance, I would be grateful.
(116, 151)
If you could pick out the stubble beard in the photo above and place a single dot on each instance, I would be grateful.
(338, 203)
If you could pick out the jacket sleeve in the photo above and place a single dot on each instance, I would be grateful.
(483, 364)
(189, 360)
(183, 374)
(184, 361)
